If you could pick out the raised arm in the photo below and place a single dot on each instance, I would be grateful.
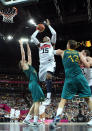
(53, 32)
(84, 61)
(23, 62)
(34, 38)
(29, 55)
(22, 51)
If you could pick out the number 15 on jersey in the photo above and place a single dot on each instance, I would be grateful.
(45, 50)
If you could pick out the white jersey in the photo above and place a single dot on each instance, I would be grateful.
(46, 53)
(47, 61)
(88, 74)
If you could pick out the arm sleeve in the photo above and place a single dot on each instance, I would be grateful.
(54, 52)
(53, 32)
(33, 37)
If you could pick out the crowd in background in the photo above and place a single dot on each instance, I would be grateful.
(70, 112)
(20, 99)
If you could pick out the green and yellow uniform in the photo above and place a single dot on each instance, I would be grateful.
(34, 87)
(75, 82)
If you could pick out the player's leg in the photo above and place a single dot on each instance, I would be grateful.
(29, 115)
(68, 92)
(45, 74)
(48, 82)
(37, 96)
(42, 112)
(59, 112)
(60, 109)
(36, 111)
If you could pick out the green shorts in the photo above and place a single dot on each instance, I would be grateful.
(37, 93)
(77, 85)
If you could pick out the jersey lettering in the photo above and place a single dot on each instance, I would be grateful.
(74, 58)
(45, 50)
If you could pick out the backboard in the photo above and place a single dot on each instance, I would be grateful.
(15, 2)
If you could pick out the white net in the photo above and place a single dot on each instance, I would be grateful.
(9, 14)
(7, 18)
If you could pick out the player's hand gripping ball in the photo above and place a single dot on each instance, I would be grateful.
(40, 27)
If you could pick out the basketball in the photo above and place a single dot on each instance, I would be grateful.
(40, 27)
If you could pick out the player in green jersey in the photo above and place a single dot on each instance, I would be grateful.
(75, 82)
(34, 87)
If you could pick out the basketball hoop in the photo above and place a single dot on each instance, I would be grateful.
(8, 14)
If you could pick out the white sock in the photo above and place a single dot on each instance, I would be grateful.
(49, 95)
(35, 118)
(59, 111)
(28, 117)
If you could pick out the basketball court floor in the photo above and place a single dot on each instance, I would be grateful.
(45, 127)
(8, 16)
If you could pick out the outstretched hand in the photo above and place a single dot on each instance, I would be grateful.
(47, 22)
(20, 42)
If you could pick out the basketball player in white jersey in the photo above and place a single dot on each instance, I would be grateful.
(88, 72)
(47, 61)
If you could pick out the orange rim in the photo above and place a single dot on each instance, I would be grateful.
(9, 15)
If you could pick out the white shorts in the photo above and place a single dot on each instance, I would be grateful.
(50, 66)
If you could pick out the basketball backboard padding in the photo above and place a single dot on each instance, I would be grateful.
(14, 2)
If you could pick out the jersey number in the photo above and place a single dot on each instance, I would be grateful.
(45, 50)
(74, 58)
